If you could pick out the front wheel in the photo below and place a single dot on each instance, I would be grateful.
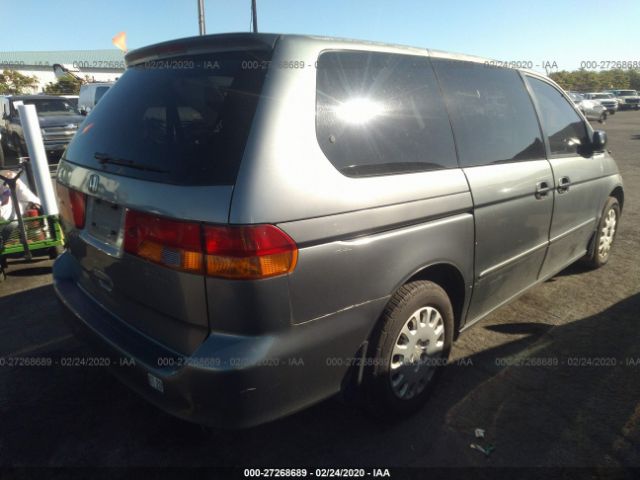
(410, 347)
(605, 235)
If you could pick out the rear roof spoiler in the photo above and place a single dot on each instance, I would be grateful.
(202, 44)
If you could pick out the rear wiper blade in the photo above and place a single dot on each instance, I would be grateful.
(104, 158)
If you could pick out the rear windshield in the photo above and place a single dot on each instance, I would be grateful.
(182, 121)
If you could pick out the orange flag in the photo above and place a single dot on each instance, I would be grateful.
(120, 41)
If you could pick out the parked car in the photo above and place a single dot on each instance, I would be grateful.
(627, 99)
(72, 99)
(90, 95)
(591, 109)
(242, 245)
(607, 100)
(58, 121)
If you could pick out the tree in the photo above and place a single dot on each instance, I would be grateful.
(634, 79)
(563, 78)
(15, 83)
(586, 81)
(66, 85)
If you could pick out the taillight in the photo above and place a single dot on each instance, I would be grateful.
(172, 243)
(72, 205)
(249, 252)
(238, 252)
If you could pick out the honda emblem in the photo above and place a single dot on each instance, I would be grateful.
(94, 183)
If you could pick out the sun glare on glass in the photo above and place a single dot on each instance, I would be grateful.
(359, 110)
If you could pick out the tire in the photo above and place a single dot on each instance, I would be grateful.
(603, 118)
(605, 234)
(402, 388)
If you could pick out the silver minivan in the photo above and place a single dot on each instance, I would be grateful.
(257, 222)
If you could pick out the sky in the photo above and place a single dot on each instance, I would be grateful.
(562, 33)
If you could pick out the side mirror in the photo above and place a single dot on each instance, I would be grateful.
(599, 140)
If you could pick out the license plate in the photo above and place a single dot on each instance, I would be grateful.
(105, 224)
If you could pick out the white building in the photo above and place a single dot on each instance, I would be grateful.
(98, 65)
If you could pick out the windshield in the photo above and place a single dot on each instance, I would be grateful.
(576, 97)
(51, 106)
(602, 95)
(627, 93)
(183, 121)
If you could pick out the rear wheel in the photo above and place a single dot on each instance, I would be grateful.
(605, 235)
(411, 345)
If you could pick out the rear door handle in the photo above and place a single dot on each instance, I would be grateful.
(542, 189)
(563, 184)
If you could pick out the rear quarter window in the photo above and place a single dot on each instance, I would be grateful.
(380, 114)
(183, 121)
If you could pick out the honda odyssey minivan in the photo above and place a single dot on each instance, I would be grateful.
(257, 222)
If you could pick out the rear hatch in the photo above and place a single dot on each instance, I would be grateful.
(153, 162)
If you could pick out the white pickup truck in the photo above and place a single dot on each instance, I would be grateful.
(627, 99)
(607, 100)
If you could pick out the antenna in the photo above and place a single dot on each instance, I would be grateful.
(254, 16)
(201, 17)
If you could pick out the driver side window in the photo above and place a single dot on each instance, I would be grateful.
(564, 128)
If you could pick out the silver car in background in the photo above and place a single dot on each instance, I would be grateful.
(591, 109)
(257, 222)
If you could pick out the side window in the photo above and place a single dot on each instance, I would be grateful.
(491, 112)
(100, 91)
(379, 113)
(563, 126)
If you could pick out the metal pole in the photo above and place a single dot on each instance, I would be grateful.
(201, 17)
(38, 158)
(254, 16)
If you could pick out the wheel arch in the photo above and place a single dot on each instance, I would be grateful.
(450, 278)
(618, 194)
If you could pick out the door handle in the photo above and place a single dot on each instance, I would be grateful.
(542, 189)
(563, 184)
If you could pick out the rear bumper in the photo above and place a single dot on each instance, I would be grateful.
(230, 381)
